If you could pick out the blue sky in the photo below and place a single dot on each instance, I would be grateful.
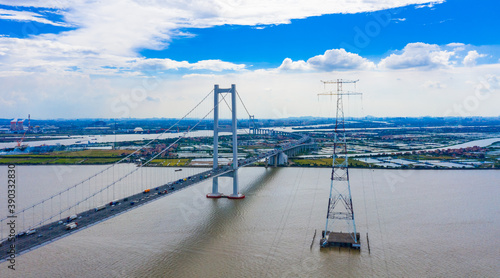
(87, 58)
(442, 24)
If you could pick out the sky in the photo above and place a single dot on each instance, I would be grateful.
(148, 58)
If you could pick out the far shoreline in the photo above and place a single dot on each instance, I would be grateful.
(259, 166)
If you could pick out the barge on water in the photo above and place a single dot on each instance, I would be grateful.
(340, 240)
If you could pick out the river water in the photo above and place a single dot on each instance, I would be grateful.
(425, 223)
(93, 139)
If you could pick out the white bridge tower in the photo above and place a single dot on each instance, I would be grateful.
(234, 130)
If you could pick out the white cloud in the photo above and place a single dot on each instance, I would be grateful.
(27, 16)
(288, 64)
(264, 92)
(333, 59)
(433, 85)
(40, 55)
(455, 44)
(418, 55)
(122, 27)
(470, 59)
(490, 83)
(429, 5)
(493, 81)
(199, 75)
(52, 56)
(217, 12)
(216, 65)
(66, 74)
(339, 59)
(152, 65)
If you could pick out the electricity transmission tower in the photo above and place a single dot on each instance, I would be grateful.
(340, 228)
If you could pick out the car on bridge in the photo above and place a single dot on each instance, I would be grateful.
(72, 217)
(30, 232)
(100, 208)
(71, 226)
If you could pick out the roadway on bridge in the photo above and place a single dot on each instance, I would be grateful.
(57, 229)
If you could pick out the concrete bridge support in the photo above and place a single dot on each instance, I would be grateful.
(301, 148)
(278, 159)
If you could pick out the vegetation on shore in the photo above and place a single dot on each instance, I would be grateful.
(97, 157)
(171, 162)
(325, 162)
(77, 157)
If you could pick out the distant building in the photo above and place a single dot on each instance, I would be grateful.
(13, 125)
(138, 130)
(20, 125)
(98, 124)
(16, 125)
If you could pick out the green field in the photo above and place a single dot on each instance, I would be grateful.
(65, 161)
(326, 162)
(93, 153)
(171, 162)
(76, 157)
(104, 160)
(26, 160)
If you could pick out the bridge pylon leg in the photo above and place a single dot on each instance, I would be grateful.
(236, 194)
(215, 181)
(215, 189)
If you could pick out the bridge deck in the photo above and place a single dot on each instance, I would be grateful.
(57, 229)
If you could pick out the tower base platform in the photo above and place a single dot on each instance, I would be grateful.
(219, 195)
(236, 196)
(215, 196)
(340, 240)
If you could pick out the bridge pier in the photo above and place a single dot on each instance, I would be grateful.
(236, 194)
(215, 189)
(278, 159)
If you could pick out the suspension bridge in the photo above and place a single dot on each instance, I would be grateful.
(94, 199)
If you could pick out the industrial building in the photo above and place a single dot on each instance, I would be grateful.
(16, 125)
